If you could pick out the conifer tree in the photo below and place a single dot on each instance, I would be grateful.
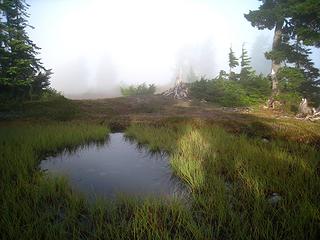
(233, 62)
(21, 71)
(244, 63)
(292, 21)
(299, 56)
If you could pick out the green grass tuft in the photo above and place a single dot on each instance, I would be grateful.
(233, 178)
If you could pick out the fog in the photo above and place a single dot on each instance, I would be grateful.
(96, 46)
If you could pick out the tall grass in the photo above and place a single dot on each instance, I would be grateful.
(32, 206)
(233, 179)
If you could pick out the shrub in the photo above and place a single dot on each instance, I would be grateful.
(289, 101)
(256, 86)
(139, 90)
(229, 93)
(290, 81)
(50, 94)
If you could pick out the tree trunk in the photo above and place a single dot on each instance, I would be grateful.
(275, 63)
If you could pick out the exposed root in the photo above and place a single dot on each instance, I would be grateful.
(179, 91)
(307, 113)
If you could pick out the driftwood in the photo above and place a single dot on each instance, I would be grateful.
(306, 112)
(304, 108)
(179, 91)
(273, 104)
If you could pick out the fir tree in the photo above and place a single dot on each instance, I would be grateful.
(21, 71)
(233, 62)
(244, 63)
(299, 56)
(292, 20)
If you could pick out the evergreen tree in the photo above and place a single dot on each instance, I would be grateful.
(22, 74)
(292, 20)
(4, 53)
(233, 62)
(299, 57)
(244, 63)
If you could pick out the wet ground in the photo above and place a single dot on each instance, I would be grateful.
(116, 166)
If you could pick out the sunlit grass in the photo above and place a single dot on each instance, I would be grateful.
(231, 180)
(234, 177)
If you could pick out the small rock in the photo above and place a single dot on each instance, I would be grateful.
(265, 140)
(274, 198)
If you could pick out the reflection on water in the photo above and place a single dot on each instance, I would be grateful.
(115, 166)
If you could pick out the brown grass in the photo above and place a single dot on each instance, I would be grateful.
(120, 112)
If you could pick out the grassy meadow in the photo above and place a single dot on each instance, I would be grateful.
(30, 202)
(250, 176)
(232, 179)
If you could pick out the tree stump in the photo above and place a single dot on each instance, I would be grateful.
(308, 113)
(179, 91)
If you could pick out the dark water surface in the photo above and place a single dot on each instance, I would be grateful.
(116, 166)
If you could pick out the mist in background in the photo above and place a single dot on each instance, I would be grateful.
(96, 46)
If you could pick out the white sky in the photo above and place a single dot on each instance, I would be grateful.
(94, 45)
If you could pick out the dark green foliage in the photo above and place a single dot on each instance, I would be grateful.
(293, 85)
(257, 86)
(50, 93)
(306, 21)
(40, 84)
(290, 83)
(289, 101)
(290, 79)
(51, 106)
(22, 75)
(139, 90)
(230, 93)
(245, 64)
(233, 62)
(298, 18)
(309, 87)
(301, 69)
(296, 24)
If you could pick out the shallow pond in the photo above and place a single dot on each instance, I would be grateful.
(116, 166)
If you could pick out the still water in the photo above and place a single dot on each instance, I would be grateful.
(116, 166)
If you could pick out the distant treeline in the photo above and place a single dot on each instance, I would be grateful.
(246, 88)
(295, 23)
(138, 90)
